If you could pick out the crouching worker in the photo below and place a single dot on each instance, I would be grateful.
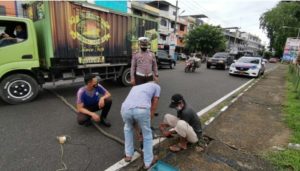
(91, 98)
(187, 124)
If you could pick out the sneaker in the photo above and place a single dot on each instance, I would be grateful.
(105, 123)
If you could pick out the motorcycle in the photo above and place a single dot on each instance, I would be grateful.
(192, 64)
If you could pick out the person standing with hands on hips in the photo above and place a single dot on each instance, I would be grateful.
(143, 64)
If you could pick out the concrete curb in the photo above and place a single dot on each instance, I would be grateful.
(251, 83)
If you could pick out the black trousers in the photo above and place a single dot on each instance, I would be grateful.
(141, 79)
(83, 119)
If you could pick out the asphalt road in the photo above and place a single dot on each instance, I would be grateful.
(28, 131)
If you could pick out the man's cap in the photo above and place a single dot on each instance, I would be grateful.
(175, 100)
(143, 41)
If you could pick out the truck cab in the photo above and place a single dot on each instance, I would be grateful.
(18, 60)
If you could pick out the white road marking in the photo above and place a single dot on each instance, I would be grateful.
(214, 104)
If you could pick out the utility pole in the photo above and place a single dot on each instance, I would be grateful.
(173, 43)
(176, 17)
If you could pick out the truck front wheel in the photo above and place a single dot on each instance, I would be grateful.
(18, 88)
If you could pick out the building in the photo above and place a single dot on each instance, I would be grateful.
(253, 44)
(235, 44)
(170, 39)
(118, 6)
(242, 43)
(142, 9)
(12, 8)
(193, 21)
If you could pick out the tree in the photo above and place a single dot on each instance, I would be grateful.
(206, 39)
(284, 14)
(267, 54)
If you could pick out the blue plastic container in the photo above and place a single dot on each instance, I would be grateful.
(162, 166)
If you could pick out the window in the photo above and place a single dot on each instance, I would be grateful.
(173, 25)
(162, 54)
(181, 27)
(163, 22)
(181, 40)
(2, 10)
(174, 13)
(12, 32)
(163, 37)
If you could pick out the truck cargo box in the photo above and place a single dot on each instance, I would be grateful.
(72, 34)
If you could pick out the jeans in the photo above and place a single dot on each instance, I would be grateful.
(142, 117)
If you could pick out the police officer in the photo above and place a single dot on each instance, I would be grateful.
(143, 64)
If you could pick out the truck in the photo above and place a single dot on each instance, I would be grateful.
(64, 41)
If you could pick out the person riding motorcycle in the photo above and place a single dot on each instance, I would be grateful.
(192, 63)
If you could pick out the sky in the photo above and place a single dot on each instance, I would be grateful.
(230, 13)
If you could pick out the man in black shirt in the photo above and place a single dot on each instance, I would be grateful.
(187, 124)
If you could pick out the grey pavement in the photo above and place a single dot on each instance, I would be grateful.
(28, 131)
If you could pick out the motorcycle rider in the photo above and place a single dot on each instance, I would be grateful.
(192, 63)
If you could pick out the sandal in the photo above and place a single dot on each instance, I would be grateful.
(167, 134)
(155, 158)
(177, 147)
(127, 159)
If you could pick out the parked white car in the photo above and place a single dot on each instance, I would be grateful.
(248, 66)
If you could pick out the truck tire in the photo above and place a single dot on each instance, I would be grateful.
(125, 78)
(18, 88)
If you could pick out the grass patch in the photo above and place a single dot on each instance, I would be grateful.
(289, 159)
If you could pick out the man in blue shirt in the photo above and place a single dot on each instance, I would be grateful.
(91, 98)
(140, 103)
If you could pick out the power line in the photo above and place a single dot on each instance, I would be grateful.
(206, 11)
(202, 10)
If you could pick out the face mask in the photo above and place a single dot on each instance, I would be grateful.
(178, 108)
(144, 49)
